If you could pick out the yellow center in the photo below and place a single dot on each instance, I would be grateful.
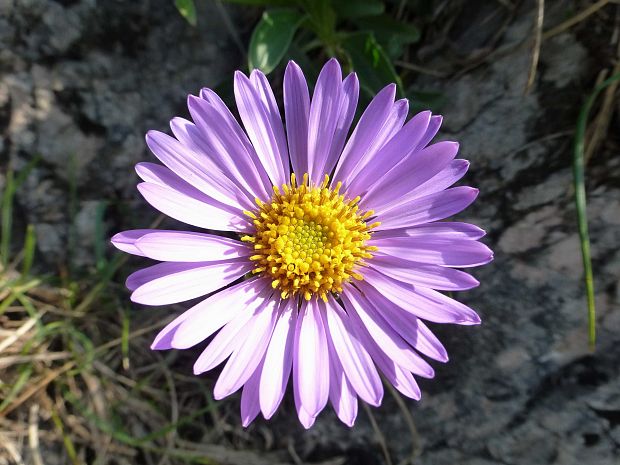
(309, 239)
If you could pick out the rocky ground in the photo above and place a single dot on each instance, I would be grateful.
(81, 81)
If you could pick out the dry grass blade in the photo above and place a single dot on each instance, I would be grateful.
(11, 448)
(576, 19)
(416, 444)
(33, 435)
(540, 16)
(45, 357)
(37, 386)
(380, 436)
(603, 118)
(420, 69)
(23, 329)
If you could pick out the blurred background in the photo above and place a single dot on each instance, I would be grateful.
(81, 81)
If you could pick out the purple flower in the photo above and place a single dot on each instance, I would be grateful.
(329, 277)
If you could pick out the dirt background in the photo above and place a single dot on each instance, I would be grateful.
(81, 81)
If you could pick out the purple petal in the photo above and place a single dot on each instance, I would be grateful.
(423, 274)
(230, 336)
(455, 170)
(232, 150)
(261, 84)
(188, 134)
(341, 394)
(162, 176)
(126, 240)
(348, 105)
(202, 212)
(356, 362)
(143, 276)
(249, 398)
(297, 109)
(181, 199)
(211, 314)
(366, 318)
(400, 378)
(248, 353)
(193, 137)
(421, 302)
(278, 360)
(428, 249)
(369, 125)
(443, 230)
(257, 124)
(429, 208)
(305, 418)
(411, 329)
(392, 124)
(397, 148)
(311, 360)
(163, 340)
(323, 119)
(452, 173)
(190, 282)
(181, 246)
(431, 131)
(412, 172)
(199, 171)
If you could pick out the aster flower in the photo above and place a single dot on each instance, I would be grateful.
(339, 253)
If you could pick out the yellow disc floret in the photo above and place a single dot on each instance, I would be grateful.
(309, 240)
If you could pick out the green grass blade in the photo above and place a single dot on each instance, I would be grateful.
(6, 208)
(100, 236)
(7, 218)
(18, 385)
(125, 339)
(29, 248)
(66, 439)
(73, 211)
(580, 202)
(116, 430)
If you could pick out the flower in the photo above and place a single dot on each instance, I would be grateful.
(328, 276)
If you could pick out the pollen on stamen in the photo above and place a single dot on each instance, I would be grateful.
(309, 239)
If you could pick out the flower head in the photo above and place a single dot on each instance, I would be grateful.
(339, 252)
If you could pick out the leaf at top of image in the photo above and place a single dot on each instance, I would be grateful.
(272, 37)
(357, 8)
(371, 63)
(392, 34)
(187, 8)
(385, 25)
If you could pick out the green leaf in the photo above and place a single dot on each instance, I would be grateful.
(271, 38)
(393, 35)
(187, 10)
(385, 27)
(371, 63)
(322, 20)
(357, 8)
